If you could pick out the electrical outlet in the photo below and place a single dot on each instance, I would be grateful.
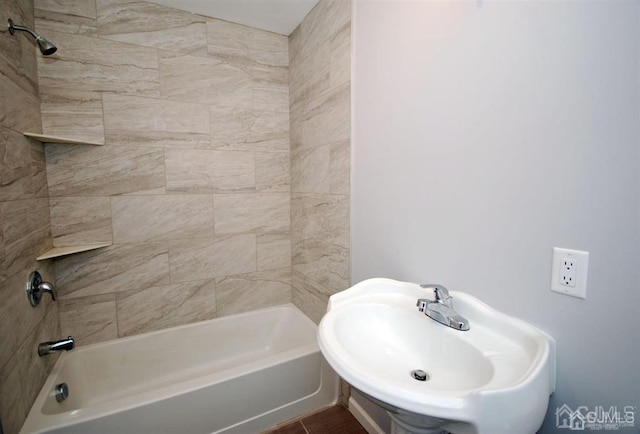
(569, 272)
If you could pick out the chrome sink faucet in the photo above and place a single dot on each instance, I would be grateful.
(50, 347)
(441, 308)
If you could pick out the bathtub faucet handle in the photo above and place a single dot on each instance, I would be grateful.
(36, 287)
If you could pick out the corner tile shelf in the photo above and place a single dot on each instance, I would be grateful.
(63, 251)
(62, 140)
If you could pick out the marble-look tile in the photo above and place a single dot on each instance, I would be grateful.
(254, 212)
(274, 251)
(130, 113)
(164, 139)
(236, 42)
(89, 319)
(148, 24)
(249, 130)
(77, 17)
(272, 171)
(271, 98)
(141, 311)
(18, 320)
(328, 119)
(34, 369)
(94, 64)
(19, 110)
(240, 293)
(340, 52)
(155, 218)
(38, 169)
(26, 233)
(17, 55)
(113, 269)
(340, 168)
(75, 8)
(310, 303)
(204, 80)
(270, 76)
(322, 262)
(304, 70)
(15, 166)
(80, 220)
(206, 258)
(310, 169)
(103, 170)
(209, 171)
(71, 113)
(13, 410)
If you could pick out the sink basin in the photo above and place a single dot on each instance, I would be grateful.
(494, 378)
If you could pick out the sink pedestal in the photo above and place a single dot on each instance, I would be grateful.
(399, 427)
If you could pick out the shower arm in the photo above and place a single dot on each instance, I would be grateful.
(13, 27)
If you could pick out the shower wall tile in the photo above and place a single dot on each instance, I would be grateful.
(94, 64)
(274, 251)
(77, 17)
(257, 213)
(206, 258)
(26, 233)
(103, 170)
(155, 218)
(151, 25)
(272, 98)
(112, 269)
(17, 56)
(319, 103)
(272, 171)
(249, 130)
(164, 139)
(13, 410)
(71, 113)
(149, 309)
(238, 43)
(38, 169)
(89, 319)
(19, 110)
(80, 220)
(209, 171)
(15, 165)
(240, 293)
(204, 80)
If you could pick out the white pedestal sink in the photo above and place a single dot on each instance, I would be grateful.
(495, 378)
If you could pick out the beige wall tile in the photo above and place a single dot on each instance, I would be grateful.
(74, 170)
(17, 56)
(13, 410)
(251, 291)
(310, 169)
(77, 8)
(340, 61)
(141, 311)
(151, 25)
(19, 110)
(204, 80)
(77, 17)
(112, 269)
(274, 251)
(206, 258)
(209, 171)
(164, 139)
(129, 113)
(272, 171)
(89, 319)
(80, 220)
(38, 169)
(272, 98)
(94, 64)
(154, 218)
(328, 119)
(259, 212)
(249, 130)
(339, 168)
(311, 302)
(71, 113)
(15, 166)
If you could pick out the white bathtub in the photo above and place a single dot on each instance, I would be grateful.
(238, 374)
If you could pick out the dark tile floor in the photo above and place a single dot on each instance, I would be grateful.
(333, 420)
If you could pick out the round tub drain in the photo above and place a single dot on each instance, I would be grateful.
(419, 375)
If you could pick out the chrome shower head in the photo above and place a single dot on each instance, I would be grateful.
(46, 47)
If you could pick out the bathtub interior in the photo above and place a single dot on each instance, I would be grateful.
(241, 368)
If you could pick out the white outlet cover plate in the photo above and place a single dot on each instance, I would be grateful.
(582, 260)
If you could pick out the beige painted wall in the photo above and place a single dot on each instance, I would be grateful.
(192, 185)
(25, 230)
(319, 97)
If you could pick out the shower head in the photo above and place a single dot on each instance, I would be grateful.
(46, 47)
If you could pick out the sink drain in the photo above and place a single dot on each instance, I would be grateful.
(419, 375)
